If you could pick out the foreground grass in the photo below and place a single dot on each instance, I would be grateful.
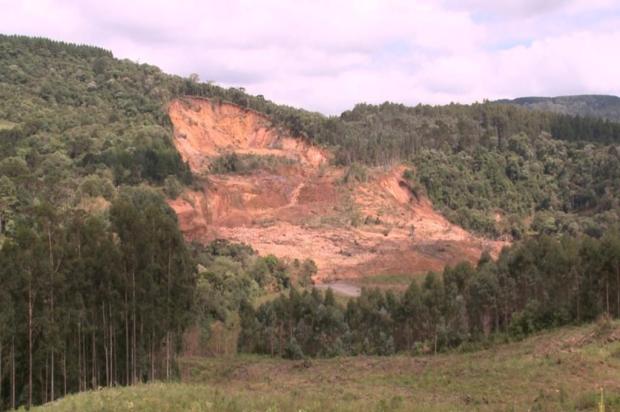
(561, 370)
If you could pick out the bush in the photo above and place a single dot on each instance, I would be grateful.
(172, 187)
(247, 163)
(293, 350)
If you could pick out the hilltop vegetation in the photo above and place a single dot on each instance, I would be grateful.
(602, 106)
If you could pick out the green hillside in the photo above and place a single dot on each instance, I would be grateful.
(493, 168)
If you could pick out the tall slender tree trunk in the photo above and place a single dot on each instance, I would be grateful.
(168, 309)
(618, 291)
(152, 356)
(52, 270)
(45, 379)
(105, 346)
(13, 372)
(126, 342)
(1, 400)
(52, 376)
(271, 340)
(607, 293)
(64, 372)
(85, 360)
(30, 309)
(80, 355)
(112, 352)
(578, 299)
(133, 346)
(94, 365)
(141, 343)
(167, 355)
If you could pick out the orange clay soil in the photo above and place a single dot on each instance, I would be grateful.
(302, 209)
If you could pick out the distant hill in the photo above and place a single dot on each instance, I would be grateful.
(592, 105)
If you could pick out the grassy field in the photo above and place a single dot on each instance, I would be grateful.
(391, 281)
(563, 370)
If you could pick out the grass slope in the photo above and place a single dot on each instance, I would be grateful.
(559, 370)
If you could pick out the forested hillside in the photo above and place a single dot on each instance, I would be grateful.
(492, 168)
(99, 285)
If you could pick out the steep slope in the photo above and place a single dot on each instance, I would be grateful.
(603, 106)
(205, 129)
(303, 208)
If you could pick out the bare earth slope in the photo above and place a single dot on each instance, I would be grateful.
(302, 209)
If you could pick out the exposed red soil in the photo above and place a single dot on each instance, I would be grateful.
(303, 210)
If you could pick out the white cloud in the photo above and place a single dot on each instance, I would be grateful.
(328, 55)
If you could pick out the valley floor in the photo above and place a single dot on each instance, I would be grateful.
(559, 370)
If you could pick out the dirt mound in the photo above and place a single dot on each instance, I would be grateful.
(303, 209)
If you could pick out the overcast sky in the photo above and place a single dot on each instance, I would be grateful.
(329, 55)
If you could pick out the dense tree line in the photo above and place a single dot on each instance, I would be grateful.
(104, 300)
(540, 283)
(97, 283)
(596, 105)
(91, 301)
(590, 129)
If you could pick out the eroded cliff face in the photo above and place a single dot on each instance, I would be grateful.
(301, 208)
(204, 129)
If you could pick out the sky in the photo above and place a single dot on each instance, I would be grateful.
(328, 55)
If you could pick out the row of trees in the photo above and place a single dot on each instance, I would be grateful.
(540, 283)
(91, 301)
